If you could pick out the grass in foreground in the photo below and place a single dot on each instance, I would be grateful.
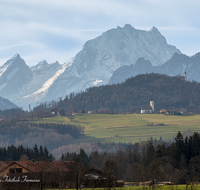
(167, 187)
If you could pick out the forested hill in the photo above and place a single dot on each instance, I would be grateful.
(168, 92)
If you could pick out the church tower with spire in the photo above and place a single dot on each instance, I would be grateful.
(185, 76)
(152, 104)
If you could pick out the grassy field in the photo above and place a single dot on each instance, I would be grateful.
(167, 187)
(129, 127)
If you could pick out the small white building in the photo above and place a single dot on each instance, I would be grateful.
(146, 109)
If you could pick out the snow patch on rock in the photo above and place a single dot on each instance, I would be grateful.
(40, 93)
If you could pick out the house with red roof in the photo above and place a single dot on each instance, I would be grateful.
(51, 174)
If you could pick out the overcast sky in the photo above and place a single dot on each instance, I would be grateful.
(57, 30)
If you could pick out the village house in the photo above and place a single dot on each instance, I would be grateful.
(33, 174)
(177, 111)
(55, 111)
(50, 174)
(164, 111)
(181, 111)
(97, 178)
(92, 112)
(7, 167)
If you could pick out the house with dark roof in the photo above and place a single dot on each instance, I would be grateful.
(50, 174)
(34, 174)
(177, 111)
(181, 111)
(8, 167)
(97, 178)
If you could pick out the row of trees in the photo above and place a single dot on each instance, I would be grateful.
(21, 153)
(178, 162)
(14, 113)
(74, 156)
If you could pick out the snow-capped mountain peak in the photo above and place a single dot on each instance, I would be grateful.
(16, 56)
(13, 74)
(12, 60)
(41, 92)
(40, 65)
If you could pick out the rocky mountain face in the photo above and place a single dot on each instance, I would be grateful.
(18, 80)
(40, 92)
(177, 65)
(100, 57)
(13, 74)
(92, 66)
(121, 74)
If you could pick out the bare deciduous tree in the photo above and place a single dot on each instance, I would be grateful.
(110, 169)
(77, 170)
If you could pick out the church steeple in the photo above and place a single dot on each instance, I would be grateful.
(152, 103)
(185, 76)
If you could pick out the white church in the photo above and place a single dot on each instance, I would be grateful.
(148, 109)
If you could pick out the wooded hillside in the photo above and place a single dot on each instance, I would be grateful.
(51, 135)
(168, 92)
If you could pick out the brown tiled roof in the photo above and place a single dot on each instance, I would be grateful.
(177, 109)
(4, 164)
(163, 110)
(37, 166)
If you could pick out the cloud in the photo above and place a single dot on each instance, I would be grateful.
(7, 47)
(56, 28)
(178, 28)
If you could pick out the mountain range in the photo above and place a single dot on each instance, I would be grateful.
(96, 64)
(177, 65)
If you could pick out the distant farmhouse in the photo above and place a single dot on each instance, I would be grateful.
(55, 111)
(148, 109)
(181, 111)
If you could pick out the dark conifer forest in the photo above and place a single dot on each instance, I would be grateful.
(177, 162)
(21, 153)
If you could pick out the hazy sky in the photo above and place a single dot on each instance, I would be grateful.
(57, 30)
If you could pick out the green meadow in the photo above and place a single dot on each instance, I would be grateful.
(128, 127)
(167, 187)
